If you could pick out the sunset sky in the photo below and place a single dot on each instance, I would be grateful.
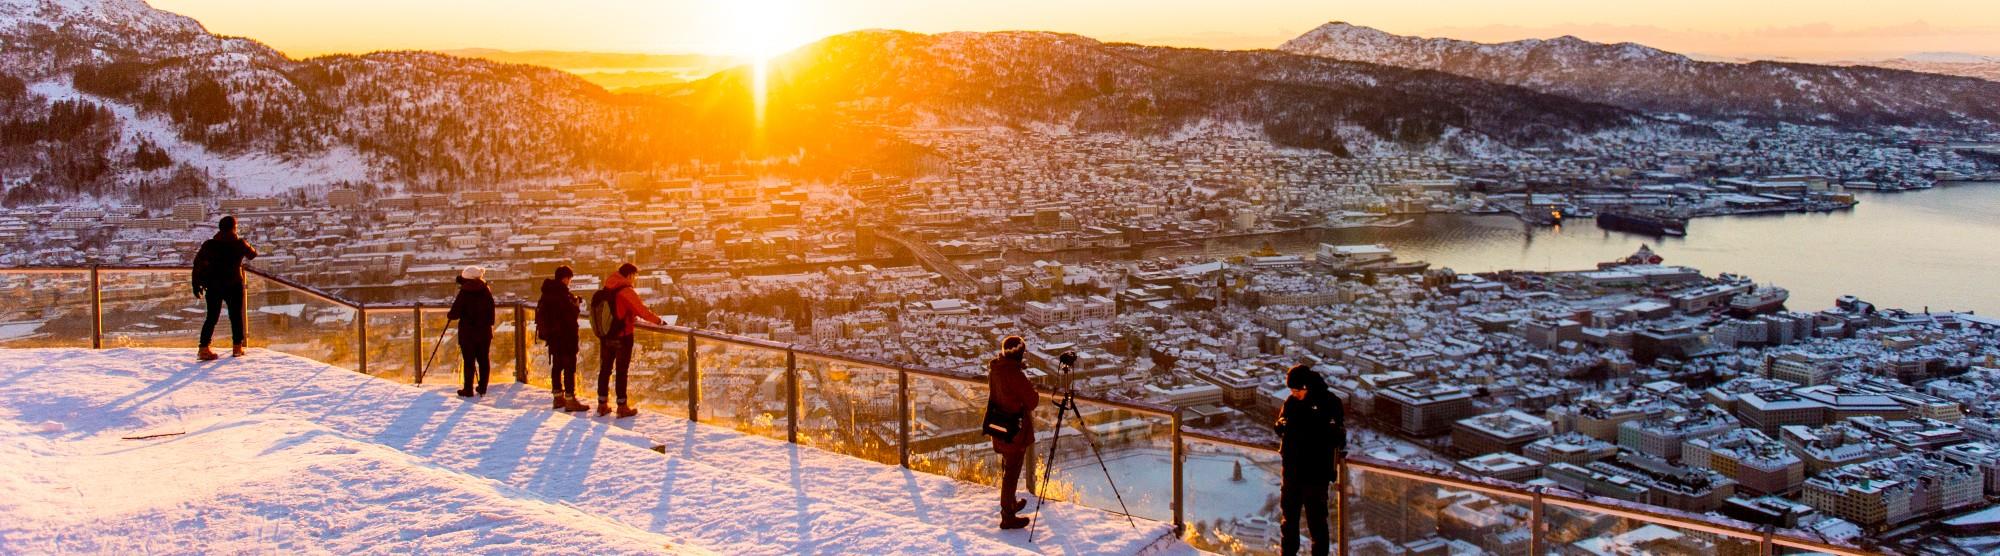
(1803, 29)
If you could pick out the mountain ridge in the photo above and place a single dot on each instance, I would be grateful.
(1651, 80)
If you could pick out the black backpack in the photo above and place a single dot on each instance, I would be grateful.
(604, 319)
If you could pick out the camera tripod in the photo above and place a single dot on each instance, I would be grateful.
(1064, 408)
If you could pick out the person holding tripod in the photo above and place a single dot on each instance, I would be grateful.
(1010, 408)
(1312, 436)
(218, 272)
(473, 309)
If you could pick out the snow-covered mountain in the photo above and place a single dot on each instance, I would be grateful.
(1947, 63)
(1072, 82)
(175, 110)
(1651, 80)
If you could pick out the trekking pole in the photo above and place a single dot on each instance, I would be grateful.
(434, 351)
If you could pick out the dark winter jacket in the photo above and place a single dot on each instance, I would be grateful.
(218, 265)
(555, 316)
(474, 310)
(1311, 432)
(1007, 384)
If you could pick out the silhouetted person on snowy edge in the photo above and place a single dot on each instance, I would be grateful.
(555, 323)
(1312, 435)
(473, 308)
(614, 314)
(1011, 405)
(218, 271)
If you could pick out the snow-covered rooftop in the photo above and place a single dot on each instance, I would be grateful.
(145, 450)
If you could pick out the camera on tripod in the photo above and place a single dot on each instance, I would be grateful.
(1067, 359)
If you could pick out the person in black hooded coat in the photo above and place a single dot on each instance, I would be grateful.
(473, 308)
(1312, 434)
(218, 272)
(555, 323)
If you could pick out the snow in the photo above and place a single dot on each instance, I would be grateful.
(144, 450)
(255, 174)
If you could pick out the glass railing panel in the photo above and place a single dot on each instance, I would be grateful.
(45, 309)
(538, 353)
(945, 416)
(848, 408)
(1136, 449)
(1570, 527)
(1231, 493)
(503, 344)
(442, 363)
(392, 335)
(1390, 510)
(657, 378)
(742, 386)
(294, 321)
(156, 308)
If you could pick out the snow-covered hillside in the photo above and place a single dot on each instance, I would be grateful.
(1648, 79)
(146, 451)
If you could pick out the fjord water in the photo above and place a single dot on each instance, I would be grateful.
(1938, 248)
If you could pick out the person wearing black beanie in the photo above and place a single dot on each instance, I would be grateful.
(1312, 433)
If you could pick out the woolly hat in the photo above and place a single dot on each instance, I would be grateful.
(473, 273)
(1303, 377)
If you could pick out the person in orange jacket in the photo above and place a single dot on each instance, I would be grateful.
(614, 351)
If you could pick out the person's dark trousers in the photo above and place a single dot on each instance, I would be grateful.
(1010, 477)
(217, 298)
(562, 369)
(616, 352)
(474, 352)
(1309, 494)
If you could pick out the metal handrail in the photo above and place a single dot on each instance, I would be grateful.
(1537, 497)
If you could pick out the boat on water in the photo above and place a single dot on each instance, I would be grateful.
(1365, 258)
(1640, 223)
(1763, 299)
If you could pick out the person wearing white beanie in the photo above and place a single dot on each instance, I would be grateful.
(473, 309)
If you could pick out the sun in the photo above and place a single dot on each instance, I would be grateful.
(758, 30)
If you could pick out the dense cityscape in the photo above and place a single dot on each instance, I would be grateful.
(1186, 274)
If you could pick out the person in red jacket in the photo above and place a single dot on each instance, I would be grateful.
(615, 350)
(1011, 393)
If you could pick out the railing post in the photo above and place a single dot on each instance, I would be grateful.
(96, 309)
(903, 417)
(520, 343)
(791, 396)
(1535, 519)
(1180, 457)
(361, 337)
(694, 382)
(417, 343)
(1341, 484)
(1766, 548)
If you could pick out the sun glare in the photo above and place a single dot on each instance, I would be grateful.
(758, 30)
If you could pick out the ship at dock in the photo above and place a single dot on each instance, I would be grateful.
(1763, 299)
(1642, 223)
(1364, 258)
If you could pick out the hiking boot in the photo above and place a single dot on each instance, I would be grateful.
(236, 350)
(626, 411)
(206, 355)
(481, 391)
(1013, 522)
(1019, 504)
(572, 405)
(603, 408)
(559, 405)
(463, 393)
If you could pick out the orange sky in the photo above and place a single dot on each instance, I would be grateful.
(1805, 29)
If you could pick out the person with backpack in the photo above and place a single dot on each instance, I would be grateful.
(1312, 436)
(555, 323)
(473, 309)
(614, 314)
(1010, 408)
(218, 272)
